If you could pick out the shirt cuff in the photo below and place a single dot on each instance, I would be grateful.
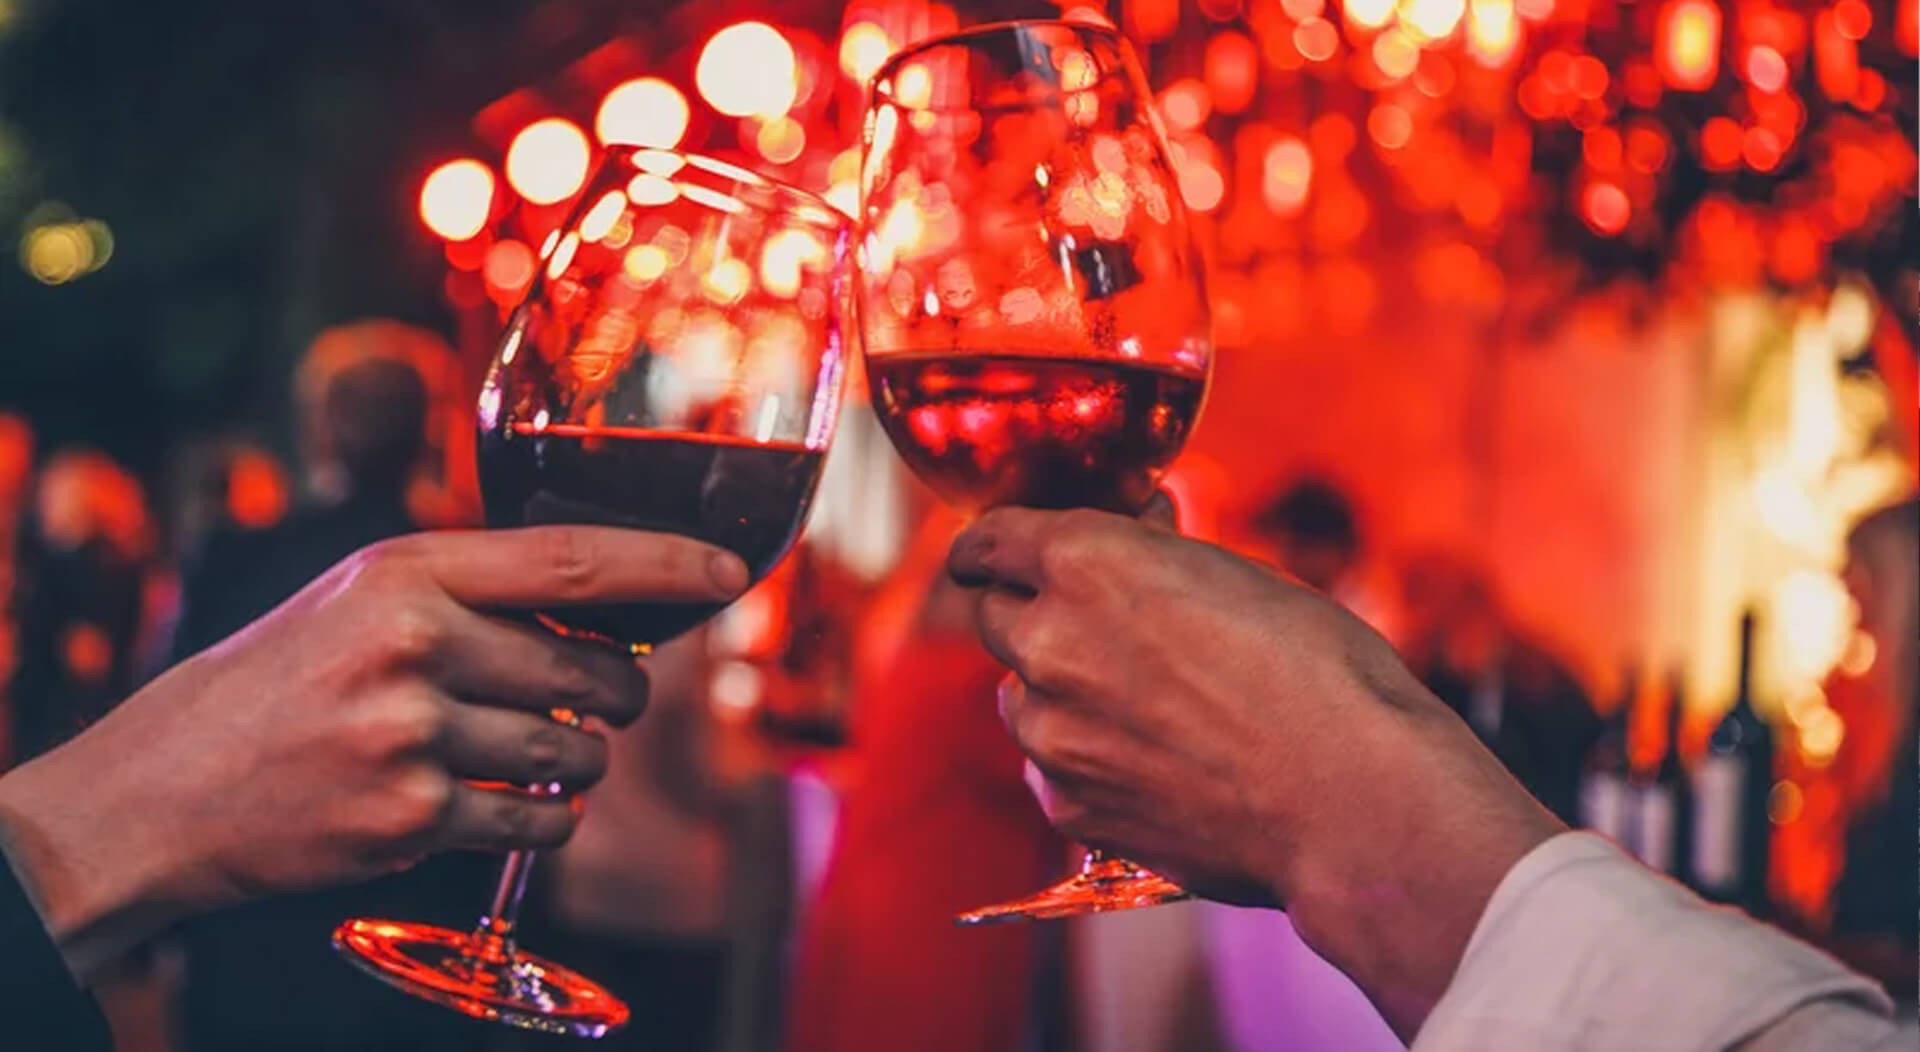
(1580, 947)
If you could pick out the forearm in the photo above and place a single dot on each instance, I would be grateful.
(98, 889)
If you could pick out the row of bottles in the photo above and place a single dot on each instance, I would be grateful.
(1707, 825)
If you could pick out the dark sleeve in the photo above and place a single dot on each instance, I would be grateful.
(41, 1007)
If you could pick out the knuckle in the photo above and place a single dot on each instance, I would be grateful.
(401, 724)
(418, 801)
(546, 753)
(410, 634)
(571, 685)
(573, 561)
(1043, 661)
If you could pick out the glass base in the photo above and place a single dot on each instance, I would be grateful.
(480, 975)
(1103, 885)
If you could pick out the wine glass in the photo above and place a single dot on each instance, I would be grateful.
(1030, 298)
(676, 366)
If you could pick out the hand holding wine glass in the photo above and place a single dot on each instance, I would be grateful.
(1033, 312)
(675, 368)
(325, 743)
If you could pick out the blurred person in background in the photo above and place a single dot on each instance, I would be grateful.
(264, 975)
(1316, 536)
(16, 471)
(1520, 699)
(1875, 906)
(935, 821)
(81, 594)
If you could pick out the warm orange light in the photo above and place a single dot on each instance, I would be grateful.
(1906, 28)
(456, 199)
(1390, 125)
(784, 256)
(1646, 149)
(1185, 105)
(1603, 149)
(748, 70)
(1605, 208)
(1853, 18)
(1301, 10)
(864, 47)
(1432, 19)
(1836, 58)
(1317, 39)
(1201, 186)
(1288, 176)
(509, 268)
(1396, 55)
(1149, 20)
(547, 161)
(1873, 92)
(1233, 70)
(780, 140)
(644, 112)
(1761, 149)
(1688, 46)
(1766, 69)
(1367, 14)
(1534, 10)
(1588, 77)
(1492, 31)
(1720, 142)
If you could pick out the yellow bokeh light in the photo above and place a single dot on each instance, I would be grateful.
(456, 199)
(645, 263)
(782, 259)
(1369, 14)
(748, 70)
(1432, 19)
(863, 49)
(547, 161)
(649, 190)
(644, 112)
(727, 280)
(57, 254)
(780, 140)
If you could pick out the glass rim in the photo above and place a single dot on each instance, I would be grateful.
(962, 37)
(817, 210)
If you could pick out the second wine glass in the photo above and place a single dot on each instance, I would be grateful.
(1032, 306)
(676, 366)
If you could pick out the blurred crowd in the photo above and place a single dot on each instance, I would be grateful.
(822, 781)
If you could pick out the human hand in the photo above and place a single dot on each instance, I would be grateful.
(1204, 716)
(340, 737)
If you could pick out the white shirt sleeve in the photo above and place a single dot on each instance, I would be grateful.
(1582, 948)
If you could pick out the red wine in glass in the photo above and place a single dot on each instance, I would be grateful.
(748, 497)
(674, 367)
(1031, 300)
(1046, 432)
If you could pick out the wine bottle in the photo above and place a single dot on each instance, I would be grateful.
(1730, 787)
(1662, 811)
(1603, 782)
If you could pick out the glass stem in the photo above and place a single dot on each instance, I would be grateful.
(495, 932)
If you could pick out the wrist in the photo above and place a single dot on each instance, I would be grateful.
(96, 881)
(1390, 885)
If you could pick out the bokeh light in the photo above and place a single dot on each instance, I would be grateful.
(864, 47)
(748, 70)
(547, 161)
(1605, 207)
(456, 199)
(643, 112)
(780, 140)
(1688, 46)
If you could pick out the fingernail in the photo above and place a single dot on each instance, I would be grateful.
(729, 574)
